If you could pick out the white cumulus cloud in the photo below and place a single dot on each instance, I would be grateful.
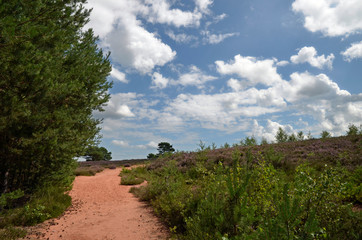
(120, 76)
(251, 69)
(224, 111)
(331, 17)
(203, 5)
(120, 143)
(353, 52)
(120, 26)
(133, 46)
(124, 111)
(193, 77)
(160, 11)
(282, 63)
(309, 55)
(118, 106)
(158, 81)
(236, 85)
(306, 86)
(270, 130)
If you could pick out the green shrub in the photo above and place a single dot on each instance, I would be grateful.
(287, 222)
(133, 176)
(256, 197)
(48, 202)
(222, 210)
(273, 157)
(12, 233)
(131, 180)
(7, 199)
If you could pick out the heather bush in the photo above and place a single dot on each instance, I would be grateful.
(256, 196)
(88, 171)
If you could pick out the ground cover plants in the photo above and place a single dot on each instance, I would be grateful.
(133, 176)
(255, 193)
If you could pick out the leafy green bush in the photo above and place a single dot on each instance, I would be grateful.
(48, 202)
(131, 180)
(6, 199)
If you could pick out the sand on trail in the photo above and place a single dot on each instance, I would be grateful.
(102, 209)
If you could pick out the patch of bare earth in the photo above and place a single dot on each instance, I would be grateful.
(102, 209)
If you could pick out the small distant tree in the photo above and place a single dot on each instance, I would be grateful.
(165, 147)
(264, 141)
(325, 134)
(250, 141)
(300, 136)
(226, 145)
(202, 145)
(309, 136)
(95, 153)
(151, 156)
(281, 136)
(292, 138)
(353, 130)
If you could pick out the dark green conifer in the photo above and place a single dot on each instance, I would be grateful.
(52, 77)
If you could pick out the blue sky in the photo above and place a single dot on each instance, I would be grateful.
(219, 71)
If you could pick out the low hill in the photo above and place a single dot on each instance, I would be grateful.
(345, 150)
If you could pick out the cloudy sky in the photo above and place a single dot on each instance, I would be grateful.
(221, 70)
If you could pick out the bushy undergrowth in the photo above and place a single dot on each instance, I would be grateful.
(19, 210)
(12, 233)
(133, 177)
(257, 196)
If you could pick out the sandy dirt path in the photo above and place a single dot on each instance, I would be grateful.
(102, 210)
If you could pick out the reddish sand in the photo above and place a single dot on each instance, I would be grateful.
(102, 209)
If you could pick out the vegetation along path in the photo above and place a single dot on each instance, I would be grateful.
(102, 209)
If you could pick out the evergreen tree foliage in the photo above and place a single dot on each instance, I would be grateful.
(95, 153)
(249, 141)
(325, 134)
(151, 156)
(165, 147)
(353, 130)
(281, 136)
(300, 136)
(292, 138)
(52, 77)
(264, 141)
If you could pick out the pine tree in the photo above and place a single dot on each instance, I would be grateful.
(52, 77)
(281, 135)
(165, 147)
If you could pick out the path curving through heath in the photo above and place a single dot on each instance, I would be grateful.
(102, 209)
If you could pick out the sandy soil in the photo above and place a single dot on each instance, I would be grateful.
(102, 209)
